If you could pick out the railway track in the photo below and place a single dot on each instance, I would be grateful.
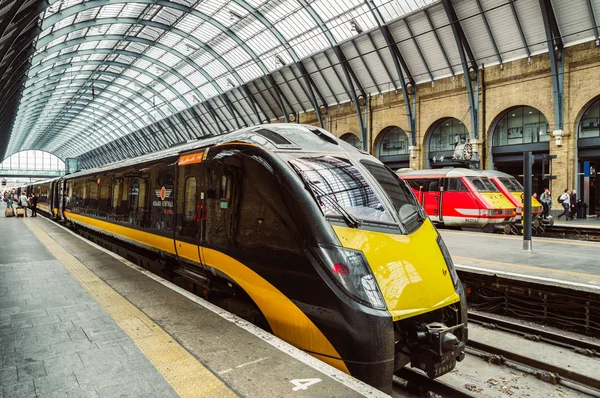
(573, 379)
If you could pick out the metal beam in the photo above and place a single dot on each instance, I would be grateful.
(311, 90)
(594, 23)
(326, 83)
(439, 42)
(408, 88)
(107, 51)
(520, 28)
(348, 74)
(555, 51)
(490, 34)
(69, 11)
(414, 40)
(280, 97)
(37, 79)
(469, 67)
(133, 39)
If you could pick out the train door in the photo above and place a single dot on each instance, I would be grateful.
(190, 210)
(432, 199)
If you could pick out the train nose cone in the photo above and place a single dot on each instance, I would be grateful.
(450, 342)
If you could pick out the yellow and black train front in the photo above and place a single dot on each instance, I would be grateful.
(342, 261)
(327, 245)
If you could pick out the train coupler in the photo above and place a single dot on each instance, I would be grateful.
(436, 348)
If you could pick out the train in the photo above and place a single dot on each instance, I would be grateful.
(313, 240)
(460, 197)
(513, 190)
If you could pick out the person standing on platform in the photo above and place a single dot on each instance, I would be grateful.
(572, 204)
(34, 202)
(564, 200)
(23, 202)
(546, 199)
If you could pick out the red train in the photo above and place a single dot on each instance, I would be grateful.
(460, 197)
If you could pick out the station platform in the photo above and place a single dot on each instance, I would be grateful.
(79, 321)
(558, 262)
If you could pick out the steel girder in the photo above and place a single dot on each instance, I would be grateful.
(127, 53)
(104, 114)
(133, 39)
(490, 34)
(468, 64)
(593, 19)
(103, 72)
(312, 89)
(349, 74)
(414, 40)
(32, 106)
(143, 22)
(105, 111)
(439, 42)
(555, 51)
(69, 11)
(107, 84)
(520, 28)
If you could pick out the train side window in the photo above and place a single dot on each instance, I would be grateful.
(456, 185)
(433, 186)
(225, 191)
(104, 202)
(189, 201)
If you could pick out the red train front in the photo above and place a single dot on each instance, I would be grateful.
(460, 197)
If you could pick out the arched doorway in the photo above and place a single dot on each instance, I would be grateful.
(352, 139)
(392, 147)
(446, 136)
(588, 153)
(517, 130)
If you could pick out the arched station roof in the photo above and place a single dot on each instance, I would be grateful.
(90, 78)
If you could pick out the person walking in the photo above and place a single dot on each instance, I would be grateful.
(564, 200)
(34, 201)
(23, 202)
(546, 199)
(572, 204)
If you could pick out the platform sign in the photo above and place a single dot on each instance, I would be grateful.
(589, 169)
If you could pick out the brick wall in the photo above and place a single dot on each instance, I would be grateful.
(520, 82)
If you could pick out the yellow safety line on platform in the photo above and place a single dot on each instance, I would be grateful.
(523, 266)
(512, 237)
(186, 375)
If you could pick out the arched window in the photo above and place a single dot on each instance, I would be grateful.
(33, 160)
(521, 125)
(447, 134)
(394, 141)
(590, 121)
(352, 139)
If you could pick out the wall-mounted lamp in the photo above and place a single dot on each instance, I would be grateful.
(558, 137)
(355, 27)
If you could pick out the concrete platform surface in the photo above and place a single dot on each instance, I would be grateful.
(79, 321)
(553, 261)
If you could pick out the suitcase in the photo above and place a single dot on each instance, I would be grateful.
(9, 212)
(20, 212)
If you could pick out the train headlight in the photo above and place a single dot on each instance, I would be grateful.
(351, 271)
(449, 262)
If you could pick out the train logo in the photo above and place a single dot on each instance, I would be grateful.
(163, 193)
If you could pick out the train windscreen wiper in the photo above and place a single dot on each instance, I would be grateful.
(352, 221)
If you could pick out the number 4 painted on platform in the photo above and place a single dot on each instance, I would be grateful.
(303, 384)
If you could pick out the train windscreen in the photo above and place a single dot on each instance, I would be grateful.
(341, 190)
(511, 184)
(483, 184)
(402, 198)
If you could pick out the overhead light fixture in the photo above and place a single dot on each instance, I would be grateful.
(192, 48)
(279, 61)
(230, 83)
(196, 99)
(355, 27)
(233, 16)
